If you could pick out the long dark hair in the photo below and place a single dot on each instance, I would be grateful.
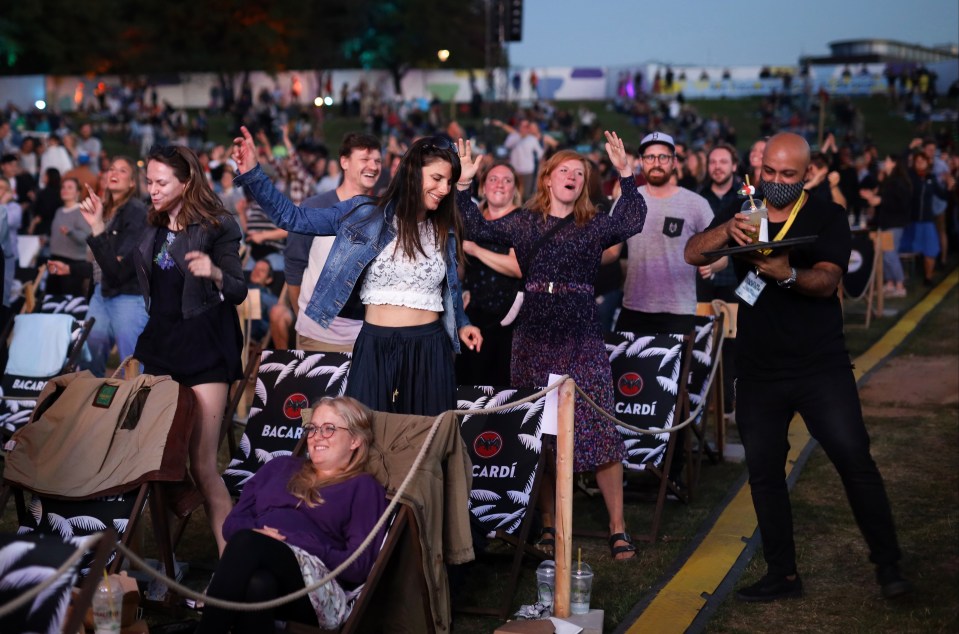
(406, 192)
(200, 204)
(900, 173)
(53, 179)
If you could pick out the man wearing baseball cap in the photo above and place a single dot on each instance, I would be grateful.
(660, 288)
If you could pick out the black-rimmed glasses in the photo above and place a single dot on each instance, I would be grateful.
(326, 430)
(659, 158)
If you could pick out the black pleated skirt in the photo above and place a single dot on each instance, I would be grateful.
(406, 370)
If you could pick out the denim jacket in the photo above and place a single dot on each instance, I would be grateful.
(221, 243)
(362, 231)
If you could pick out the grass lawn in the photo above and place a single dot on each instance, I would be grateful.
(914, 442)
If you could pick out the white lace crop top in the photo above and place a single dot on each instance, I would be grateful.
(397, 280)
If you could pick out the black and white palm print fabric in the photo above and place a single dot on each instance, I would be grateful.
(504, 448)
(25, 562)
(287, 382)
(646, 387)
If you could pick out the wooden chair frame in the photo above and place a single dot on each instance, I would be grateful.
(520, 548)
(662, 472)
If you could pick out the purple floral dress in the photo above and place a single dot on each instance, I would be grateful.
(558, 332)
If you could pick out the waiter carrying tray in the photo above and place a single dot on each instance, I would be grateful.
(792, 357)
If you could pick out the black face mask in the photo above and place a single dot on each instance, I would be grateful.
(780, 195)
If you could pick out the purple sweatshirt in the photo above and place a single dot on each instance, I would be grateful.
(331, 531)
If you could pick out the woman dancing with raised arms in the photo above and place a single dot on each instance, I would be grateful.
(559, 240)
(400, 253)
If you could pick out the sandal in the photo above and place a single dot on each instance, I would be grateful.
(547, 540)
(619, 550)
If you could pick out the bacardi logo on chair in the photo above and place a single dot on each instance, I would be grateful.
(293, 404)
(630, 384)
(487, 444)
(29, 384)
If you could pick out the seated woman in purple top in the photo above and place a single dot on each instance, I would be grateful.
(296, 520)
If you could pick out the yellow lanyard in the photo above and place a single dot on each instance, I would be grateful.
(789, 221)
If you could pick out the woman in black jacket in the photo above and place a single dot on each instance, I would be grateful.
(189, 270)
(116, 224)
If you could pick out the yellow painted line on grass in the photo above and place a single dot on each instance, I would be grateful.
(681, 599)
(895, 335)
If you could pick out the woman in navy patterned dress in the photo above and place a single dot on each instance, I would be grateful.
(558, 329)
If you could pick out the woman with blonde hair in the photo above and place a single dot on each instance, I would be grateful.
(559, 242)
(116, 222)
(492, 280)
(296, 520)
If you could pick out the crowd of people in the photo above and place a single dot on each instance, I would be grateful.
(437, 261)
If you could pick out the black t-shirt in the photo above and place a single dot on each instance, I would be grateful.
(787, 334)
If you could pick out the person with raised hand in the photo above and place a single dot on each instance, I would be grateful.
(398, 255)
(559, 241)
(116, 224)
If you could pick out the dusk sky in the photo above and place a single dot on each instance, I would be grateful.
(743, 32)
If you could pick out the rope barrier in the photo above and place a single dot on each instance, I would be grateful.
(136, 561)
(71, 561)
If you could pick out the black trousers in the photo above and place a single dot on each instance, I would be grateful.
(638, 321)
(255, 568)
(829, 405)
(406, 370)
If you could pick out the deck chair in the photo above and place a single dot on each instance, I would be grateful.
(26, 561)
(725, 393)
(286, 382)
(704, 390)
(75, 305)
(650, 374)
(96, 452)
(42, 346)
(506, 451)
(862, 279)
(408, 591)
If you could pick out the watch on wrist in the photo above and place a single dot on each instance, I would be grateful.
(790, 281)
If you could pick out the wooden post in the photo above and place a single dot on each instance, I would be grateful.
(564, 498)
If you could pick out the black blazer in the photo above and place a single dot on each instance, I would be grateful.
(221, 243)
(113, 249)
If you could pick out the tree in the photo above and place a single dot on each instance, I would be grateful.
(61, 37)
(402, 34)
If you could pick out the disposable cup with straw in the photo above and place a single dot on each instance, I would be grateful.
(581, 586)
(107, 605)
(756, 213)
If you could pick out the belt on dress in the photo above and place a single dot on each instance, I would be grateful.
(559, 287)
